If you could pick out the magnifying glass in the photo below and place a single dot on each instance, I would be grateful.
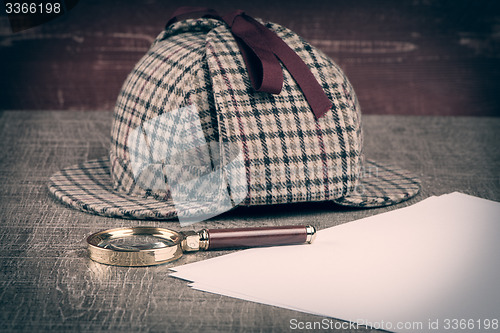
(146, 246)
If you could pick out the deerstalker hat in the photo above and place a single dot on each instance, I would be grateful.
(231, 111)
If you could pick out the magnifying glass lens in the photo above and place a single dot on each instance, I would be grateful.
(135, 243)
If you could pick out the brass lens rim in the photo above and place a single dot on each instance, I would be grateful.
(135, 258)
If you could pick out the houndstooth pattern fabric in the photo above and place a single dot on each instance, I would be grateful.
(290, 155)
(169, 77)
(287, 154)
(381, 185)
(89, 188)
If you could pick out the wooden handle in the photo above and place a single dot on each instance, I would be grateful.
(263, 236)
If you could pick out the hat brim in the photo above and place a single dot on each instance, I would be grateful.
(88, 187)
(381, 185)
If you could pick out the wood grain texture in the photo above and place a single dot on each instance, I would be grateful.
(422, 57)
(48, 283)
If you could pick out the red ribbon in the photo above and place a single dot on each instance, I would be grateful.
(262, 49)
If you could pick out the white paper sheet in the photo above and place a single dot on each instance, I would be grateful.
(435, 260)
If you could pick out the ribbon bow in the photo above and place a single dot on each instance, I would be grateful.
(262, 50)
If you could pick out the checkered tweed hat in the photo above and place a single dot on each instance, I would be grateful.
(192, 137)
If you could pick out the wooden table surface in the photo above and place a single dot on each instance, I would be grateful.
(48, 283)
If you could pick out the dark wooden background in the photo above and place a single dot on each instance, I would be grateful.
(420, 57)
